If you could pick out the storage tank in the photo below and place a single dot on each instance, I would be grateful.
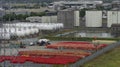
(76, 18)
(20, 32)
(11, 30)
(36, 30)
(93, 18)
(113, 18)
(4, 35)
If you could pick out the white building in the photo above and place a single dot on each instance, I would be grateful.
(49, 19)
(34, 19)
(43, 19)
(93, 18)
(113, 18)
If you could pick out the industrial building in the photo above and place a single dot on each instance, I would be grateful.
(34, 19)
(93, 18)
(49, 19)
(43, 19)
(27, 11)
(116, 4)
(79, 4)
(2, 13)
(113, 17)
(115, 30)
(101, 18)
(69, 18)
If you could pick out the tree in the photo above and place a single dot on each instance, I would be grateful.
(9, 17)
(82, 12)
(37, 14)
(37, 5)
(21, 17)
(33, 14)
(13, 16)
(41, 14)
(99, 7)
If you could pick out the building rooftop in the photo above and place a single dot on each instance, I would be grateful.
(79, 2)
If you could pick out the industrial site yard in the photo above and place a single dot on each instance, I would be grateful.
(67, 53)
(59, 33)
(14, 51)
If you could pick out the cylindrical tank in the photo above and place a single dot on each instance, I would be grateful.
(93, 18)
(113, 18)
(76, 18)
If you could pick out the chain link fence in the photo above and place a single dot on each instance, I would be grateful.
(96, 54)
(77, 64)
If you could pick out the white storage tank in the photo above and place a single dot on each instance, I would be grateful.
(4, 35)
(7, 35)
(76, 18)
(20, 32)
(113, 18)
(36, 30)
(93, 18)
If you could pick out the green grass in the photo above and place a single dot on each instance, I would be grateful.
(109, 59)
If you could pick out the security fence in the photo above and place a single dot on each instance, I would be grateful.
(77, 64)
(96, 54)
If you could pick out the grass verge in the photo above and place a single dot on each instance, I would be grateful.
(109, 59)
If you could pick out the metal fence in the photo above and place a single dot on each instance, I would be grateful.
(94, 55)
(27, 64)
(77, 64)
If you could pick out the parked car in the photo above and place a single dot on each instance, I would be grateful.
(32, 44)
(43, 42)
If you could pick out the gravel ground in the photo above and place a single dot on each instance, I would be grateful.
(14, 51)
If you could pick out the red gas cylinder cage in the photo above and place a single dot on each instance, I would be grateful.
(55, 56)
(62, 57)
(54, 53)
(73, 45)
(40, 60)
